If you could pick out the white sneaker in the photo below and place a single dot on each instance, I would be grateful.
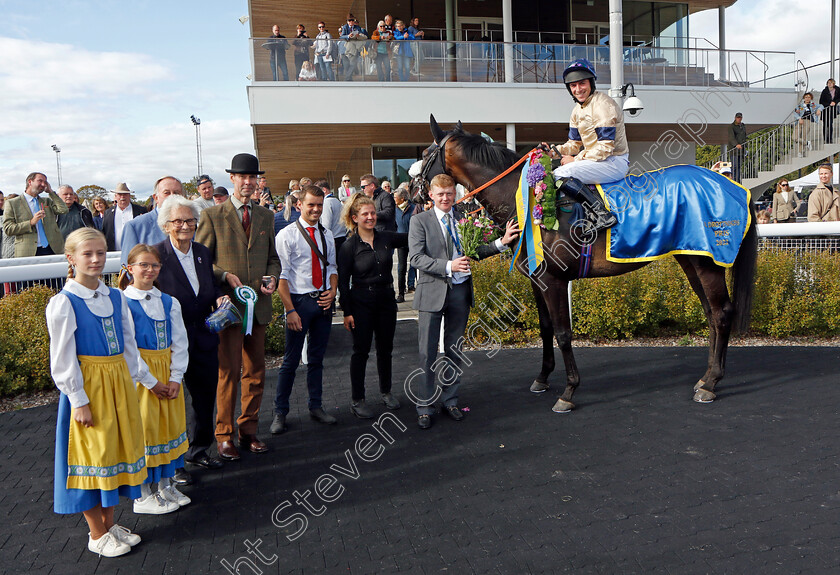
(172, 495)
(124, 535)
(154, 504)
(107, 546)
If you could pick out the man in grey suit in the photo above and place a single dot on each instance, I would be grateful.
(444, 293)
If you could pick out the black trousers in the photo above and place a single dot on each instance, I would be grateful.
(375, 313)
(201, 380)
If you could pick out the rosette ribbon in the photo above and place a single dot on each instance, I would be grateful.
(247, 296)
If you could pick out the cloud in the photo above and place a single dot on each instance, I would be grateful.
(112, 114)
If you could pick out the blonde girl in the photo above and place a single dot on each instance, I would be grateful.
(99, 452)
(162, 342)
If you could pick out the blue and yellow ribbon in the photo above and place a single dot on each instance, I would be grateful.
(531, 234)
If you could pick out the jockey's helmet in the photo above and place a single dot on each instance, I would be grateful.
(580, 69)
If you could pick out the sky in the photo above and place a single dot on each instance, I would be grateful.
(114, 84)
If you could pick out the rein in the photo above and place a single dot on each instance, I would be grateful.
(468, 195)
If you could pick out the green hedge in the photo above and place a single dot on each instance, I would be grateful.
(795, 295)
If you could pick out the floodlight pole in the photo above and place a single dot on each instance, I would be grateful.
(197, 123)
(57, 151)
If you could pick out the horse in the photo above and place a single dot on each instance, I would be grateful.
(473, 162)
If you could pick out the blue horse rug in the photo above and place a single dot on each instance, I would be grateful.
(677, 210)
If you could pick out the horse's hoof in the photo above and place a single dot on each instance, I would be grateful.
(563, 406)
(539, 387)
(704, 396)
(699, 384)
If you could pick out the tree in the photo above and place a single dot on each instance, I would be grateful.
(91, 191)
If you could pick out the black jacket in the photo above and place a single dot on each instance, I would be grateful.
(194, 308)
(386, 211)
(108, 223)
(826, 100)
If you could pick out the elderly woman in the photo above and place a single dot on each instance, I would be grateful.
(187, 275)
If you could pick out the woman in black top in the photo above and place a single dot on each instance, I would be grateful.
(365, 260)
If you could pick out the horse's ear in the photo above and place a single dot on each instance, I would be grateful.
(459, 127)
(437, 133)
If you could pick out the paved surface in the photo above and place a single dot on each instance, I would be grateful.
(639, 479)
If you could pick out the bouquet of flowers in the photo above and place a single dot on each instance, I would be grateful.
(475, 231)
(541, 181)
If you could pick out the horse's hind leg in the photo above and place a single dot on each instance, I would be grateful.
(713, 279)
(547, 335)
(688, 267)
(556, 297)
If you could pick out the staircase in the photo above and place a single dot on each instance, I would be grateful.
(789, 147)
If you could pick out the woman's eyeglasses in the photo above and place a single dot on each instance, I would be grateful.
(180, 223)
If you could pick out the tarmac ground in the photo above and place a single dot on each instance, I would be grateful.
(637, 479)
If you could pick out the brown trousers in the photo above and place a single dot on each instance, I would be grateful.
(243, 354)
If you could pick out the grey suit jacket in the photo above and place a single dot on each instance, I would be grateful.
(427, 253)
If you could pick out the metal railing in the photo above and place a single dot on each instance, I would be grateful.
(795, 137)
(645, 63)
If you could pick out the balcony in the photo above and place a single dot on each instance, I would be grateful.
(645, 63)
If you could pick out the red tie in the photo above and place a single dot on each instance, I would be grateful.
(317, 274)
(246, 220)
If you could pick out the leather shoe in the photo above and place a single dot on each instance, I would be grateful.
(182, 477)
(252, 444)
(454, 412)
(322, 416)
(227, 450)
(206, 462)
(401, 298)
(361, 410)
(424, 421)
(278, 424)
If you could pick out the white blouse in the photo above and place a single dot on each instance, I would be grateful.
(61, 322)
(152, 304)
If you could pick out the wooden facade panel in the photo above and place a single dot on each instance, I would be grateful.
(288, 14)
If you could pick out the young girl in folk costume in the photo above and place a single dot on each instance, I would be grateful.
(162, 343)
(99, 454)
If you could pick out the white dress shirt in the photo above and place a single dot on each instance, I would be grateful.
(187, 262)
(296, 257)
(61, 321)
(152, 304)
(121, 217)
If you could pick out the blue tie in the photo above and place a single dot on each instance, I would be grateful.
(35, 206)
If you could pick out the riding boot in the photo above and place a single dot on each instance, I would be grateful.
(591, 202)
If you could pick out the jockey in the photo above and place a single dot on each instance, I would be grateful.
(597, 148)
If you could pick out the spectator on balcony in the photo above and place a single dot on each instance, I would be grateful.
(30, 219)
(307, 72)
(325, 52)
(302, 44)
(77, 215)
(418, 49)
(277, 46)
(808, 114)
(403, 50)
(737, 141)
(829, 98)
(353, 36)
(382, 38)
(785, 203)
(824, 201)
(389, 22)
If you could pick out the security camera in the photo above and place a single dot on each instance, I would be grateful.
(633, 106)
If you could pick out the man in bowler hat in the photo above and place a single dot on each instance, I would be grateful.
(240, 236)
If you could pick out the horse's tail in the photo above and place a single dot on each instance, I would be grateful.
(743, 277)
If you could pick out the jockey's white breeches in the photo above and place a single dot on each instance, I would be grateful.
(612, 169)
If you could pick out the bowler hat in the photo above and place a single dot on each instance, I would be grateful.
(244, 164)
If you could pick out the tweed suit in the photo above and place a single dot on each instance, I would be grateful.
(16, 218)
(220, 230)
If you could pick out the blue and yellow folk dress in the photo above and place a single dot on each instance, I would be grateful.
(162, 342)
(94, 361)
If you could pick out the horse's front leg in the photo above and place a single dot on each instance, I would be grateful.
(556, 297)
(547, 335)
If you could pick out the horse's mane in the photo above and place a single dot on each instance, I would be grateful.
(477, 150)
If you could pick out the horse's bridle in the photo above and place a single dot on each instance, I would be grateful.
(434, 164)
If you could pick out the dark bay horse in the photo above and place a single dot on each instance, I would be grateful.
(472, 161)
